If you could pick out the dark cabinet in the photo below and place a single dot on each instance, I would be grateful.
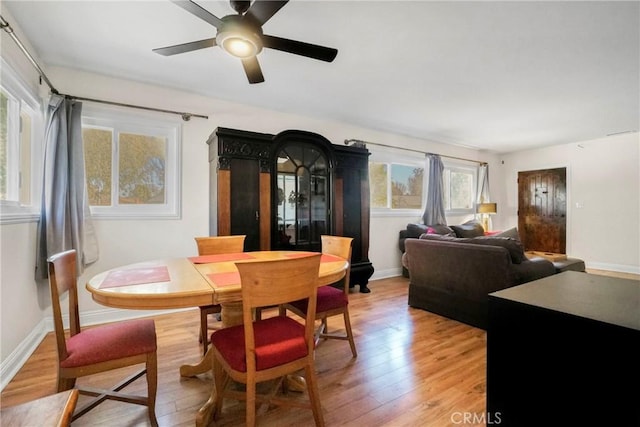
(563, 351)
(351, 183)
(238, 170)
(284, 191)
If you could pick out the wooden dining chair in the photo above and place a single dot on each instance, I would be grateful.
(99, 349)
(332, 301)
(272, 348)
(54, 410)
(215, 245)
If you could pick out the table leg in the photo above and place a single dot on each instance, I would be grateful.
(231, 316)
(200, 368)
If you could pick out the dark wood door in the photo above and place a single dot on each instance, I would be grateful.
(542, 209)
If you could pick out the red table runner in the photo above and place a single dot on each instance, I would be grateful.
(225, 279)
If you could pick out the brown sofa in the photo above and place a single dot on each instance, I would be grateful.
(453, 276)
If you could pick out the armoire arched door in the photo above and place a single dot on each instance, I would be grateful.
(301, 191)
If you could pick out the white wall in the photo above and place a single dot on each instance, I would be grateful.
(603, 197)
(23, 303)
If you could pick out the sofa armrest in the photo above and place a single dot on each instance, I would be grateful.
(533, 269)
(402, 236)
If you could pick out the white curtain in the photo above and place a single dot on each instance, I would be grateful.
(483, 184)
(434, 209)
(482, 194)
(65, 220)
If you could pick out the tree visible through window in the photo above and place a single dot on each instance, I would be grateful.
(459, 189)
(20, 147)
(395, 186)
(378, 182)
(131, 166)
(97, 155)
(15, 149)
(4, 144)
(141, 170)
(406, 187)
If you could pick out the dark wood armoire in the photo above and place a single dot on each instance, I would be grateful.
(284, 191)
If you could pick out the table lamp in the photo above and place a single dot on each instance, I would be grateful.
(486, 209)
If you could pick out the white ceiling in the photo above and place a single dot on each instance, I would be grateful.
(499, 76)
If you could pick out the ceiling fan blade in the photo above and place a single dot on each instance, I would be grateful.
(185, 47)
(199, 11)
(300, 48)
(252, 69)
(262, 11)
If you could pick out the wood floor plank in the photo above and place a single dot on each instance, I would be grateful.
(413, 368)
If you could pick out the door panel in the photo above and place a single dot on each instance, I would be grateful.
(245, 201)
(542, 209)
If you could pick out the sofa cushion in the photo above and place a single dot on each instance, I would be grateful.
(441, 229)
(446, 238)
(512, 232)
(415, 230)
(533, 269)
(469, 229)
(514, 246)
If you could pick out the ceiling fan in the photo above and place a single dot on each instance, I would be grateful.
(241, 35)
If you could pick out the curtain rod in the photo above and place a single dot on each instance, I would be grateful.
(7, 28)
(359, 141)
(185, 116)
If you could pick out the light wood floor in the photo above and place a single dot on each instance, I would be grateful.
(413, 368)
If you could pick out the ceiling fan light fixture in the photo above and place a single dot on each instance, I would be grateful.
(241, 44)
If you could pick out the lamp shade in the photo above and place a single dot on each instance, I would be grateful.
(487, 208)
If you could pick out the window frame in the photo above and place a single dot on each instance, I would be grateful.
(453, 166)
(145, 124)
(390, 158)
(14, 211)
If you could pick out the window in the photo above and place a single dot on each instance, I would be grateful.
(379, 184)
(406, 186)
(459, 189)
(132, 165)
(20, 122)
(396, 185)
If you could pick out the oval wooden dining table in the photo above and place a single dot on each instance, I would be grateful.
(193, 282)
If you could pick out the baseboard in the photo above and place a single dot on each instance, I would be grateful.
(18, 357)
(634, 269)
(384, 274)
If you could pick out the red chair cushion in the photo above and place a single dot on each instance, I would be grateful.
(329, 298)
(278, 340)
(110, 342)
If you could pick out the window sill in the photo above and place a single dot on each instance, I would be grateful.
(18, 217)
(396, 213)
